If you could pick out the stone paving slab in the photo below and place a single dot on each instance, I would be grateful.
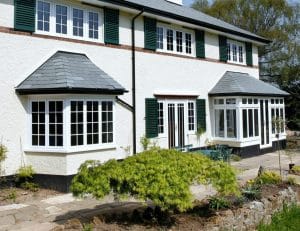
(12, 207)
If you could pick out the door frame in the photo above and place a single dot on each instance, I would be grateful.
(265, 128)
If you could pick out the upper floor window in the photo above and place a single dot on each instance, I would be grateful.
(235, 52)
(43, 16)
(65, 20)
(174, 40)
(77, 22)
(61, 19)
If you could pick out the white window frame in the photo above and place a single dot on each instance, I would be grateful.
(277, 106)
(184, 32)
(237, 44)
(67, 148)
(70, 7)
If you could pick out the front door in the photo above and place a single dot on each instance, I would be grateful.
(264, 123)
(176, 125)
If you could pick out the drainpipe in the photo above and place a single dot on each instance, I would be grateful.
(133, 80)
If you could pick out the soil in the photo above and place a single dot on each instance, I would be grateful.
(20, 196)
(192, 220)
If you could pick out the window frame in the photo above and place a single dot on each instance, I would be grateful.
(67, 148)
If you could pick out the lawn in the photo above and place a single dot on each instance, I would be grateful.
(288, 219)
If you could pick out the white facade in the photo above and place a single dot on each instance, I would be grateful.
(156, 74)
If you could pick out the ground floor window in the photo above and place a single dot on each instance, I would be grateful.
(277, 114)
(74, 123)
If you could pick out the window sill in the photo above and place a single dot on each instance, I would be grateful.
(71, 149)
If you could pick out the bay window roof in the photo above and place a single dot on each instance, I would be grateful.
(67, 72)
(239, 84)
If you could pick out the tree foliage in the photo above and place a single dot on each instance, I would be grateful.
(162, 176)
(278, 21)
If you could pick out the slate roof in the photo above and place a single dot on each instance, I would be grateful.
(236, 83)
(67, 72)
(188, 14)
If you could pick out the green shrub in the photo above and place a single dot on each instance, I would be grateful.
(3, 151)
(296, 168)
(25, 173)
(163, 176)
(291, 180)
(252, 192)
(268, 177)
(12, 195)
(287, 219)
(217, 203)
(30, 186)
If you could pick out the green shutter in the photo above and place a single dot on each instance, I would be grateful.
(150, 33)
(200, 44)
(249, 58)
(25, 15)
(151, 118)
(223, 48)
(201, 114)
(111, 26)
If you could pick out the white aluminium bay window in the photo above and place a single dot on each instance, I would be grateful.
(65, 124)
(69, 20)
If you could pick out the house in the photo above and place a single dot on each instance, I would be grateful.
(85, 80)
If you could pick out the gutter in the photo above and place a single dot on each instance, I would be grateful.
(133, 79)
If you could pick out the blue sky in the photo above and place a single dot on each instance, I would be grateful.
(187, 2)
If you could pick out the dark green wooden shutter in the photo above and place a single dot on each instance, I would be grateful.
(249, 58)
(151, 118)
(111, 26)
(200, 44)
(150, 33)
(201, 114)
(223, 48)
(25, 15)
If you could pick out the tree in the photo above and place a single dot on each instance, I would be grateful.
(278, 21)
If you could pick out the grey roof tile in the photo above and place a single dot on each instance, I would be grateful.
(237, 83)
(190, 13)
(68, 72)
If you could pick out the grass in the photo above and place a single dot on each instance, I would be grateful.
(286, 220)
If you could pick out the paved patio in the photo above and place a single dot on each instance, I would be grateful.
(43, 215)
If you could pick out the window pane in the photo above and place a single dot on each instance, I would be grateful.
(93, 25)
(160, 118)
(43, 12)
(92, 122)
(179, 41)
(234, 53)
(250, 116)
(38, 123)
(231, 123)
(273, 119)
(188, 43)
(191, 116)
(77, 22)
(228, 51)
(244, 101)
(219, 123)
(170, 40)
(281, 120)
(76, 123)
(55, 123)
(256, 122)
(160, 38)
(107, 122)
(61, 19)
(245, 124)
(241, 58)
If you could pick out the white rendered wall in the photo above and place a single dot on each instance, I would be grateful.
(7, 13)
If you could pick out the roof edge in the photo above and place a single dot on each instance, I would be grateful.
(70, 91)
(185, 19)
(248, 94)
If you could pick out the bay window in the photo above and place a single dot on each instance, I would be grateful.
(43, 16)
(63, 124)
(277, 114)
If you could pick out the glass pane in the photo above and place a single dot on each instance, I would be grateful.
(231, 123)
(245, 124)
(250, 116)
(219, 123)
(256, 122)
